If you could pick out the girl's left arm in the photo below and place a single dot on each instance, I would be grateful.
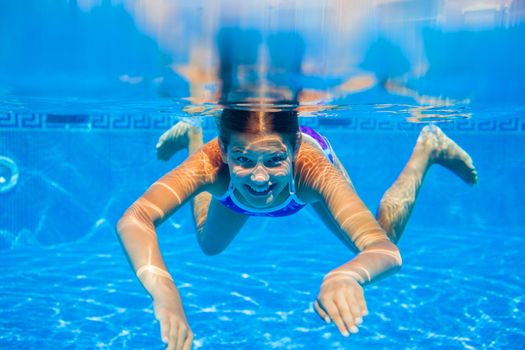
(341, 297)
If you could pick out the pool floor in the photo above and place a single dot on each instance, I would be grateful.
(452, 292)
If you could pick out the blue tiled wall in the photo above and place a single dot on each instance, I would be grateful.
(78, 172)
(13, 121)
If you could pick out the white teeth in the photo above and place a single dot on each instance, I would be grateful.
(260, 190)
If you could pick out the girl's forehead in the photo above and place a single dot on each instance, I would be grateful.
(257, 142)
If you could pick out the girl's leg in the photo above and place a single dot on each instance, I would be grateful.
(180, 136)
(432, 147)
(215, 224)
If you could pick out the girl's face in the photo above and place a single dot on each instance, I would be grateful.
(260, 167)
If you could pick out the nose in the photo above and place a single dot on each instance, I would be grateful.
(260, 175)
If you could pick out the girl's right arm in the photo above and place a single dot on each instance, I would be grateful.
(136, 231)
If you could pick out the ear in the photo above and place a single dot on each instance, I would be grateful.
(298, 141)
(224, 152)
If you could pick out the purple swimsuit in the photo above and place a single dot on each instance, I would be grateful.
(293, 204)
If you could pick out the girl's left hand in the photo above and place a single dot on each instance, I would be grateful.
(341, 299)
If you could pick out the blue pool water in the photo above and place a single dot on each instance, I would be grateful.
(80, 119)
(67, 284)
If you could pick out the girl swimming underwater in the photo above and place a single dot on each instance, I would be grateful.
(264, 164)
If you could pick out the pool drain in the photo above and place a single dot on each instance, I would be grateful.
(8, 174)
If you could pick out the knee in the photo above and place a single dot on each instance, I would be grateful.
(211, 249)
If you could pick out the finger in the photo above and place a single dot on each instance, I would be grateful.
(354, 308)
(346, 314)
(333, 312)
(172, 345)
(321, 312)
(164, 331)
(360, 296)
(181, 336)
(188, 342)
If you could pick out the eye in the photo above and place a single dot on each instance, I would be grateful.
(243, 160)
(276, 160)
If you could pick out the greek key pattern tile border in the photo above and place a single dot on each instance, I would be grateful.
(508, 125)
(11, 121)
(103, 122)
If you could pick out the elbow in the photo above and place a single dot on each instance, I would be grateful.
(397, 267)
(120, 223)
(397, 259)
(134, 216)
(392, 256)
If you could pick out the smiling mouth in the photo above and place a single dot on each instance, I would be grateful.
(260, 192)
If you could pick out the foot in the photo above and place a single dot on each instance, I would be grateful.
(173, 140)
(447, 153)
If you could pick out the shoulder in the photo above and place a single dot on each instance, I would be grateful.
(201, 171)
(206, 166)
(209, 154)
(313, 172)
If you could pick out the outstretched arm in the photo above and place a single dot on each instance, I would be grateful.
(136, 231)
(341, 298)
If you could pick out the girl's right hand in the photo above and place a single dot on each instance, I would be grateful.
(341, 299)
(174, 328)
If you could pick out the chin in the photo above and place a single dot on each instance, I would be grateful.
(259, 203)
(263, 201)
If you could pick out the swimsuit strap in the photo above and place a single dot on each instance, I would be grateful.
(291, 184)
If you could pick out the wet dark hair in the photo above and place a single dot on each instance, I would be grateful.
(284, 122)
